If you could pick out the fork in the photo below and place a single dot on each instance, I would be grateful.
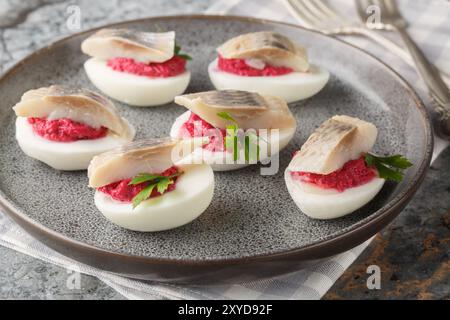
(390, 17)
(318, 15)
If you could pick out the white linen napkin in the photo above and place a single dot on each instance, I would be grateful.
(310, 283)
(428, 20)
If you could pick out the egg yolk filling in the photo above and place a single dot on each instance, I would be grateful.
(65, 130)
(170, 68)
(197, 127)
(241, 68)
(353, 174)
(123, 191)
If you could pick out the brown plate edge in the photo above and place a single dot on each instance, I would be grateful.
(325, 248)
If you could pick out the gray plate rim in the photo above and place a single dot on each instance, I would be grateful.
(320, 248)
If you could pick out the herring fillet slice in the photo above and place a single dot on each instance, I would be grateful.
(249, 109)
(270, 47)
(337, 141)
(127, 161)
(144, 156)
(144, 47)
(79, 105)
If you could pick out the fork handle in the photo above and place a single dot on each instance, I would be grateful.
(438, 90)
(432, 79)
(388, 44)
(396, 49)
(442, 121)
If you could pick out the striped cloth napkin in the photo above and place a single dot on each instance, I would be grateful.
(428, 19)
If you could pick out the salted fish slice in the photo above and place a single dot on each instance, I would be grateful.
(144, 47)
(144, 156)
(271, 47)
(337, 141)
(77, 104)
(249, 109)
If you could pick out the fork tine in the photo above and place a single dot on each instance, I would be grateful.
(391, 6)
(361, 7)
(345, 21)
(302, 13)
(383, 9)
(315, 10)
(325, 7)
(328, 14)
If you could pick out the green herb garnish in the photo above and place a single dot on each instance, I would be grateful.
(390, 167)
(225, 115)
(177, 52)
(161, 183)
(231, 139)
(143, 195)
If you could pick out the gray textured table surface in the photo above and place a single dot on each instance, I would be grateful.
(413, 253)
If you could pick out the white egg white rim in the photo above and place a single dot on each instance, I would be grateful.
(221, 159)
(315, 73)
(298, 190)
(150, 211)
(71, 147)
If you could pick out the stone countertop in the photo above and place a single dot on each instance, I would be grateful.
(412, 253)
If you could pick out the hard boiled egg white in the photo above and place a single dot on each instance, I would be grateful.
(133, 89)
(68, 156)
(321, 203)
(291, 87)
(221, 161)
(192, 195)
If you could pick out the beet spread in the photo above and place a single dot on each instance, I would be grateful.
(65, 130)
(170, 68)
(197, 127)
(354, 173)
(124, 192)
(239, 67)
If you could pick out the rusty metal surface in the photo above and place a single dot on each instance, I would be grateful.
(413, 252)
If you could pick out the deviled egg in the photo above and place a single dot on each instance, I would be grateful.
(265, 120)
(66, 127)
(137, 68)
(141, 187)
(267, 63)
(334, 174)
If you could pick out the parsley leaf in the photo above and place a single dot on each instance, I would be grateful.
(144, 177)
(233, 128)
(397, 161)
(177, 52)
(185, 56)
(247, 147)
(161, 183)
(231, 140)
(226, 116)
(250, 141)
(390, 167)
(143, 195)
(235, 147)
(177, 49)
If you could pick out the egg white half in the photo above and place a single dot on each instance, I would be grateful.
(192, 195)
(66, 156)
(222, 161)
(324, 204)
(132, 89)
(291, 87)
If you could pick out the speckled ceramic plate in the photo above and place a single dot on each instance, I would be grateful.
(252, 227)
